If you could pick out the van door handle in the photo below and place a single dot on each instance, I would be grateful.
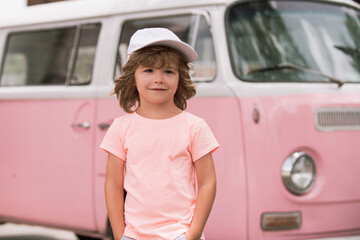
(104, 126)
(81, 125)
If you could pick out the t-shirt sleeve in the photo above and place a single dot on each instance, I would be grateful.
(203, 141)
(112, 142)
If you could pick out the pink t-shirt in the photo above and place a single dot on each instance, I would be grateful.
(159, 172)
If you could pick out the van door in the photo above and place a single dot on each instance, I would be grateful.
(46, 125)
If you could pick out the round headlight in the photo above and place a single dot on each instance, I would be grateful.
(298, 173)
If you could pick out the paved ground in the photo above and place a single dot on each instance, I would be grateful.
(10, 231)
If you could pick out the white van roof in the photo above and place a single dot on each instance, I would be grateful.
(81, 9)
(78, 9)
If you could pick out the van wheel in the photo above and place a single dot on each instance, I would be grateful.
(86, 238)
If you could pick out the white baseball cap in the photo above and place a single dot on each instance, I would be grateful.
(160, 36)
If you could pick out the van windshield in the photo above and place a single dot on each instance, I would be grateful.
(321, 40)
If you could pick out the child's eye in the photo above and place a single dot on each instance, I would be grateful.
(169, 72)
(149, 70)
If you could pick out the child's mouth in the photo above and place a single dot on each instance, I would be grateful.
(158, 89)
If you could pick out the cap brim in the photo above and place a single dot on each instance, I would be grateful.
(188, 52)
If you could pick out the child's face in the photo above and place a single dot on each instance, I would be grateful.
(157, 85)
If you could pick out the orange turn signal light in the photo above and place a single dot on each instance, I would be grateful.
(280, 221)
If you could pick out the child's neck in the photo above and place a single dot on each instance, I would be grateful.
(158, 111)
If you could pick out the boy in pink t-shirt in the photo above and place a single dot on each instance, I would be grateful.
(156, 149)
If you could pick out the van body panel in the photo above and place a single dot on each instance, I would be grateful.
(287, 125)
(107, 110)
(231, 202)
(39, 145)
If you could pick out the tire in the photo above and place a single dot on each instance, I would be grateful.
(80, 237)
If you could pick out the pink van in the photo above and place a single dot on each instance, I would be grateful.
(278, 82)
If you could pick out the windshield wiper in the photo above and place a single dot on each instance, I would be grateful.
(296, 67)
(349, 50)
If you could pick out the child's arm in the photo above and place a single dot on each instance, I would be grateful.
(114, 194)
(205, 171)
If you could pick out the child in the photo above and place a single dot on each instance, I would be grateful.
(155, 149)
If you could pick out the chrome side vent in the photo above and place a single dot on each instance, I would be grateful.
(332, 119)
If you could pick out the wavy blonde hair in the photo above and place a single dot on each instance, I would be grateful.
(153, 57)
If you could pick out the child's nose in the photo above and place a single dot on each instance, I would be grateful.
(159, 77)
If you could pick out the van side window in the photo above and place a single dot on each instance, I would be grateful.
(85, 54)
(192, 29)
(50, 57)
